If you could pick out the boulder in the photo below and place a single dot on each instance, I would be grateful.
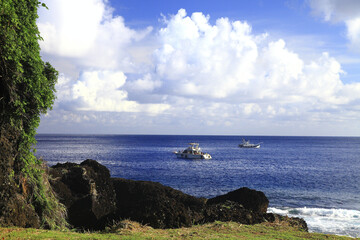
(156, 205)
(230, 211)
(253, 200)
(295, 222)
(87, 192)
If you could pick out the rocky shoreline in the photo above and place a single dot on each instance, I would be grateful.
(94, 200)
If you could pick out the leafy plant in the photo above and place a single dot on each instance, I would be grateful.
(27, 90)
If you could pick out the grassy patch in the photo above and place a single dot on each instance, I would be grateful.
(133, 230)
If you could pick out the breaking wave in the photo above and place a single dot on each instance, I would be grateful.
(330, 221)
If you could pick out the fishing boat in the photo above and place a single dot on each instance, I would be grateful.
(192, 152)
(247, 144)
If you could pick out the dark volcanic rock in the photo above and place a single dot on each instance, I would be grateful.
(298, 223)
(87, 192)
(230, 211)
(93, 200)
(250, 199)
(156, 205)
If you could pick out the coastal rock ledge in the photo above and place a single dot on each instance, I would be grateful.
(94, 200)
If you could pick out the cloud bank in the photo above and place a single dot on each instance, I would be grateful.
(220, 76)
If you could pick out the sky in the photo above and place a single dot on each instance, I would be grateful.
(204, 67)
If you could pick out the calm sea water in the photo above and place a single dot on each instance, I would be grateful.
(316, 178)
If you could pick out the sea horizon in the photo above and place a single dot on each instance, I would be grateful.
(164, 134)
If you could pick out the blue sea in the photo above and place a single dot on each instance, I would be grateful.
(316, 178)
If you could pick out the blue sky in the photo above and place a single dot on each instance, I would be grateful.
(204, 67)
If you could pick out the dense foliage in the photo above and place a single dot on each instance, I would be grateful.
(27, 90)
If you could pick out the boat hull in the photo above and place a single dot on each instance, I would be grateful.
(253, 146)
(192, 156)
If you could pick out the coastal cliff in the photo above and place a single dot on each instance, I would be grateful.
(94, 200)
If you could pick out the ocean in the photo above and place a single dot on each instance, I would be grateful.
(315, 178)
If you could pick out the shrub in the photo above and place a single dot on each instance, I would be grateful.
(27, 90)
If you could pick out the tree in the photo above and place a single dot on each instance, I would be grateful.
(27, 90)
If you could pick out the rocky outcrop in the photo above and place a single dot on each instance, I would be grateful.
(230, 211)
(87, 192)
(156, 205)
(253, 200)
(295, 222)
(243, 205)
(93, 200)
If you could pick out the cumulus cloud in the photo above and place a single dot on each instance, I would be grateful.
(87, 32)
(102, 91)
(217, 75)
(226, 62)
(144, 84)
(346, 11)
(200, 59)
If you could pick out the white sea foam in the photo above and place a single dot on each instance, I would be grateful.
(332, 221)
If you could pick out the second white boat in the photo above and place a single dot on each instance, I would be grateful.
(247, 144)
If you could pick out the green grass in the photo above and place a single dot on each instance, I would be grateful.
(133, 230)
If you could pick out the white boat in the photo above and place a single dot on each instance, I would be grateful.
(192, 152)
(247, 144)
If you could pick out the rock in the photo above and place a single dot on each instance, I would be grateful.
(299, 223)
(156, 205)
(94, 200)
(87, 192)
(295, 222)
(253, 200)
(230, 211)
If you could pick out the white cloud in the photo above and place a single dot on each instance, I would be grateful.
(146, 83)
(200, 59)
(87, 32)
(68, 32)
(101, 91)
(353, 33)
(346, 11)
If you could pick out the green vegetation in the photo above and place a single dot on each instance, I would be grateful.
(27, 89)
(133, 230)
